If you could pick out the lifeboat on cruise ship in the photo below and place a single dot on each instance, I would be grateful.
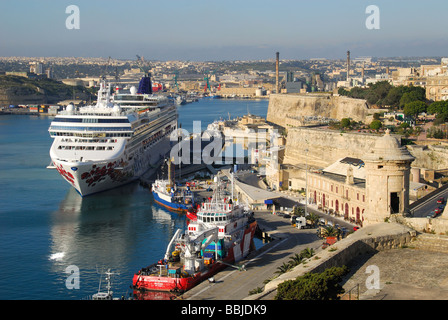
(192, 213)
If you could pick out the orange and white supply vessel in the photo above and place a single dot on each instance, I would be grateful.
(114, 142)
(221, 235)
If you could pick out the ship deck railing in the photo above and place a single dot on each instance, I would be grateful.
(164, 270)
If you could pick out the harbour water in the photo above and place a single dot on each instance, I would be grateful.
(48, 233)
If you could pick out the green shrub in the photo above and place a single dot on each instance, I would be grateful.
(314, 286)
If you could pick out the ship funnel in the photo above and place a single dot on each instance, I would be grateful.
(145, 85)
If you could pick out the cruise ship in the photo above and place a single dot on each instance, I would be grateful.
(112, 143)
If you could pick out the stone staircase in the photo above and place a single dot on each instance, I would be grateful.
(430, 242)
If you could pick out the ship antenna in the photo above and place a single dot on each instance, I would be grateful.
(232, 187)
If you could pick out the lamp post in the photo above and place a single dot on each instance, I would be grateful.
(306, 182)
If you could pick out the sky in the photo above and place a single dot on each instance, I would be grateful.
(200, 30)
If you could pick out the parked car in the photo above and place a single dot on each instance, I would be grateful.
(432, 214)
(441, 200)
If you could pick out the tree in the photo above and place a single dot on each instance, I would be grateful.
(330, 231)
(314, 218)
(345, 123)
(393, 96)
(296, 259)
(314, 286)
(307, 253)
(440, 118)
(438, 134)
(410, 97)
(377, 92)
(358, 93)
(285, 267)
(414, 108)
(375, 125)
(438, 107)
(297, 211)
(343, 92)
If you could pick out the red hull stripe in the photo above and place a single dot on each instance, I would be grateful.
(156, 283)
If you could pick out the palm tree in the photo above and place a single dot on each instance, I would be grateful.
(314, 218)
(330, 231)
(297, 211)
(296, 259)
(285, 267)
(307, 253)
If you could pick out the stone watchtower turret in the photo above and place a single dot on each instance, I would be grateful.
(387, 168)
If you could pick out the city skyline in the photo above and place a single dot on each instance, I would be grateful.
(228, 30)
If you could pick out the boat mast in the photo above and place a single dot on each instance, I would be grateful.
(232, 187)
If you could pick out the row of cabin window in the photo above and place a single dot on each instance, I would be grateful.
(85, 148)
(214, 219)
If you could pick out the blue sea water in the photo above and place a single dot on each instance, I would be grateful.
(48, 232)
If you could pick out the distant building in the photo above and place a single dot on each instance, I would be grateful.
(292, 87)
(49, 73)
(17, 73)
(437, 88)
(36, 67)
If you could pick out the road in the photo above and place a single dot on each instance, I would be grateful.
(423, 209)
(261, 265)
(252, 179)
(233, 284)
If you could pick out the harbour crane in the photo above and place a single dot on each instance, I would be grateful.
(176, 75)
(207, 84)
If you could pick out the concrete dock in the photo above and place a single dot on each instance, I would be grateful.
(260, 265)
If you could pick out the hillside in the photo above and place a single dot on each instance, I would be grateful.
(19, 90)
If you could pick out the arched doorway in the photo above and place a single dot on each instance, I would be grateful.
(358, 214)
(346, 211)
(315, 197)
(323, 200)
(337, 206)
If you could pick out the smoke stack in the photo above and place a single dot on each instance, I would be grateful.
(277, 62)
(363, 67)
(348, 65)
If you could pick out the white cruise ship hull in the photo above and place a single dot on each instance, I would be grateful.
(97, 176)
(114, 142)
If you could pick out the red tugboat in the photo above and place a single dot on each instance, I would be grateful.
(221, 235)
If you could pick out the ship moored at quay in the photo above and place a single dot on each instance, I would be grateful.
(221, 235)
(114, 142)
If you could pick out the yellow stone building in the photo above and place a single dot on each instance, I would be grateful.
(340, 189)
(368, 190)
(437, 88)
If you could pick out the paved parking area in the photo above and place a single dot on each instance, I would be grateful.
(232, 284)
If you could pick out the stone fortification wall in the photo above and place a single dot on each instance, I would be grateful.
(436, 226)
(286, 109)
(431, 156)
(371, 239)
(325, 146)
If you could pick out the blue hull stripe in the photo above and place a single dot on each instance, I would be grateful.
(177, 206)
